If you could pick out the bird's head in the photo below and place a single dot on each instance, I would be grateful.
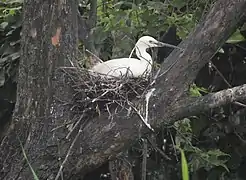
(148, 42)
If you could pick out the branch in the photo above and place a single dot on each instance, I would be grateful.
(193, 106)
(200, 47)
(103, 138)
(85, 27)
(36, 115)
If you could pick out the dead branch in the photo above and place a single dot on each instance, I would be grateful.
(144, 161)
(194, 106)
(40, 117)
(199, 47)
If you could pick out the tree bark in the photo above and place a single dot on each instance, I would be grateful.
(49, 41)
(41, 121)
(107, 137)
(85, 33)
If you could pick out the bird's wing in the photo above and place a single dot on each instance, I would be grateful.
(118, 67)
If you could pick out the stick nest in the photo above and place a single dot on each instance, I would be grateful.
(97, 94)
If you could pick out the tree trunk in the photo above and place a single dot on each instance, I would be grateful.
(109, 137)
(41, 121)
(49, 41)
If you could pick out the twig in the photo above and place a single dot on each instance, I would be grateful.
(101, 61)
(76, 124)
(193, 106)
(221, 75)
(155, 77)
(147, 97)
(141, 117)
(144, 161)
(158, 149)
(169, 68)
(132, 51)
(228, 84)
(175, 149)
(68, 153)
(240, 104)
(93, 92)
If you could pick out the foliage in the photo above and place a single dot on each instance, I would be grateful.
(35, 177)
(126, 24)
(185, 171)
(120, 23)
(198, 158)
(196, 91)
(10, 26)
(236, 37)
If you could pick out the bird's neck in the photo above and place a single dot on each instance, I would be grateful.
(144, 57)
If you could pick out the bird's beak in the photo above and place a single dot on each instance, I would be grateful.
(161, 44)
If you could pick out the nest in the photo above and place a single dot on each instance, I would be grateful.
(94, 95)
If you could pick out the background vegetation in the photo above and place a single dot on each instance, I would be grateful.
(214, 143)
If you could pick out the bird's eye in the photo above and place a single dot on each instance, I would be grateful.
(150, 41)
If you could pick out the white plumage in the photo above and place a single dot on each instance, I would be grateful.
(131, 67)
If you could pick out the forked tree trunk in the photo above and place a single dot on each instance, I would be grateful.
(40, 124)
(49, 41)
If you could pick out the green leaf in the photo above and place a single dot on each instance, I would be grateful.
(157, 5)
(2, 77)
(195, 91)
(120, 3)
(10, 57)
(14, 1)
(25, 156)
(184, 166)
(12, 12)
(206, 159)
(221, 50)
(236, 37)
(3, 25)
(178, 3)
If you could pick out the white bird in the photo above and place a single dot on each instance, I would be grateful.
(131, 67)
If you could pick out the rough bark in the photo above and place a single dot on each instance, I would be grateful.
(105, 138)
(85, 33)
(40, 123)
(49, 41)
(196, 105)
